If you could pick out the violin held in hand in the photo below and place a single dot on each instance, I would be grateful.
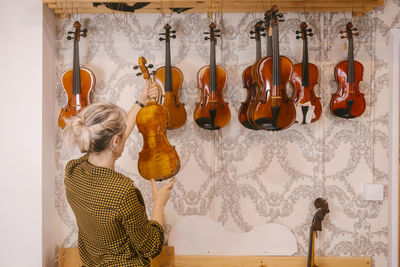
(158, 159)
(78, 82)
(304, 78)
(348, 102)
(211, 113)
(170, 80)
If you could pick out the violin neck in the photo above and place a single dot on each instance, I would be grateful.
(311, 244)
(276, 68)
(168, 73)
(269, 45)
(76, 77)
(213, 67)
(258, 49)
(350, 60)
(305, 70)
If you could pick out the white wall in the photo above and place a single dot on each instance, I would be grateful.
(49, 134)
(21, 133)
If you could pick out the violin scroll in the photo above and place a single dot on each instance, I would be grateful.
(350, 31)
(304, 31)
(77, 33)
(323, 208)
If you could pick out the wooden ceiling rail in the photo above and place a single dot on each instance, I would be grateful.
(358, 7)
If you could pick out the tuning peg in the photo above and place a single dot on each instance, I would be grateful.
(83, 34)
(309, 30)
(173, 36)
(173, 31)
(84, 30)
(139, 73)
(297, 32)
(161, 39)
(298, 37)
(281, 20)
(252, 37)
(206, 38)
(264, 34)
(354, 29)
(252, 32)
(153, 73)
(356, 34)
(217, 31)
(69, 38)
(342, 37)
(150, 66)
(310, 34)
(206, 32)
(135, 67)
(70, 32)
(342, 31)
(218, 35)
(161, 33)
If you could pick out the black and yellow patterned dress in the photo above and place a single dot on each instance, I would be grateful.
(113, 226)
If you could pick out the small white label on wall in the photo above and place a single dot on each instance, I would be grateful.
(373, 192)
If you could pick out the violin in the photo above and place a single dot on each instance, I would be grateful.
(274, 110)
(77, 82)
(348, 102)
(170, 80)
(322, 206)
(212, 113)
(248, 83)
(304, 78)
(254, 70)
(158, 159)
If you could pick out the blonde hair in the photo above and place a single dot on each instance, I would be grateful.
(93, 128)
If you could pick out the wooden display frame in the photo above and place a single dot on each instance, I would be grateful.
(359, 7)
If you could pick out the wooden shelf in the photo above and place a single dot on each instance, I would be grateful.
(358, 7)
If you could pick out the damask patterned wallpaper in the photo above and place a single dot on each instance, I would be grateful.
(245, 178)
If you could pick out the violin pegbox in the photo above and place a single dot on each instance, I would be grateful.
(167, 33)
(212, 32)
(142, 61)
(258, 28)
(304, 31)
(350, 31)
(276, 16)
(77, 33)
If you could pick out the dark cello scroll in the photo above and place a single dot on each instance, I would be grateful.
(77, 82)
(274, 110)
(323, 208)
(158, 159)
(304, 78)
(248, 82)
(348, 102)
(170, 80)
(212, 112)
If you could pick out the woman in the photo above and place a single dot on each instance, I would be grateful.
(113, 226)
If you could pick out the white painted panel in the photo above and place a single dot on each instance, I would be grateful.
(199, 235)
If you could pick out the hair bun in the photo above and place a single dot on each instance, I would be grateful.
(79, 133)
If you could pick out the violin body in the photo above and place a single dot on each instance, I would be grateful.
(348, 102)
(274, 110)
(158, 159)
(177, 113)
(76, 102)
(251, 91)
(304, 94)
(211, 112)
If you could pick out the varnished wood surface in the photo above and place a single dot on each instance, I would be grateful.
(247, 79)
(177, 113)
(267, 261)
(158, 159)
(338, 100)
(358, 7)
(88, 82)
(303, 94)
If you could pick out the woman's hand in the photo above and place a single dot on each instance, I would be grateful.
(150, 91)
(161, 196)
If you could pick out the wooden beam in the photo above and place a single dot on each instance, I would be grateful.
(267, 261)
